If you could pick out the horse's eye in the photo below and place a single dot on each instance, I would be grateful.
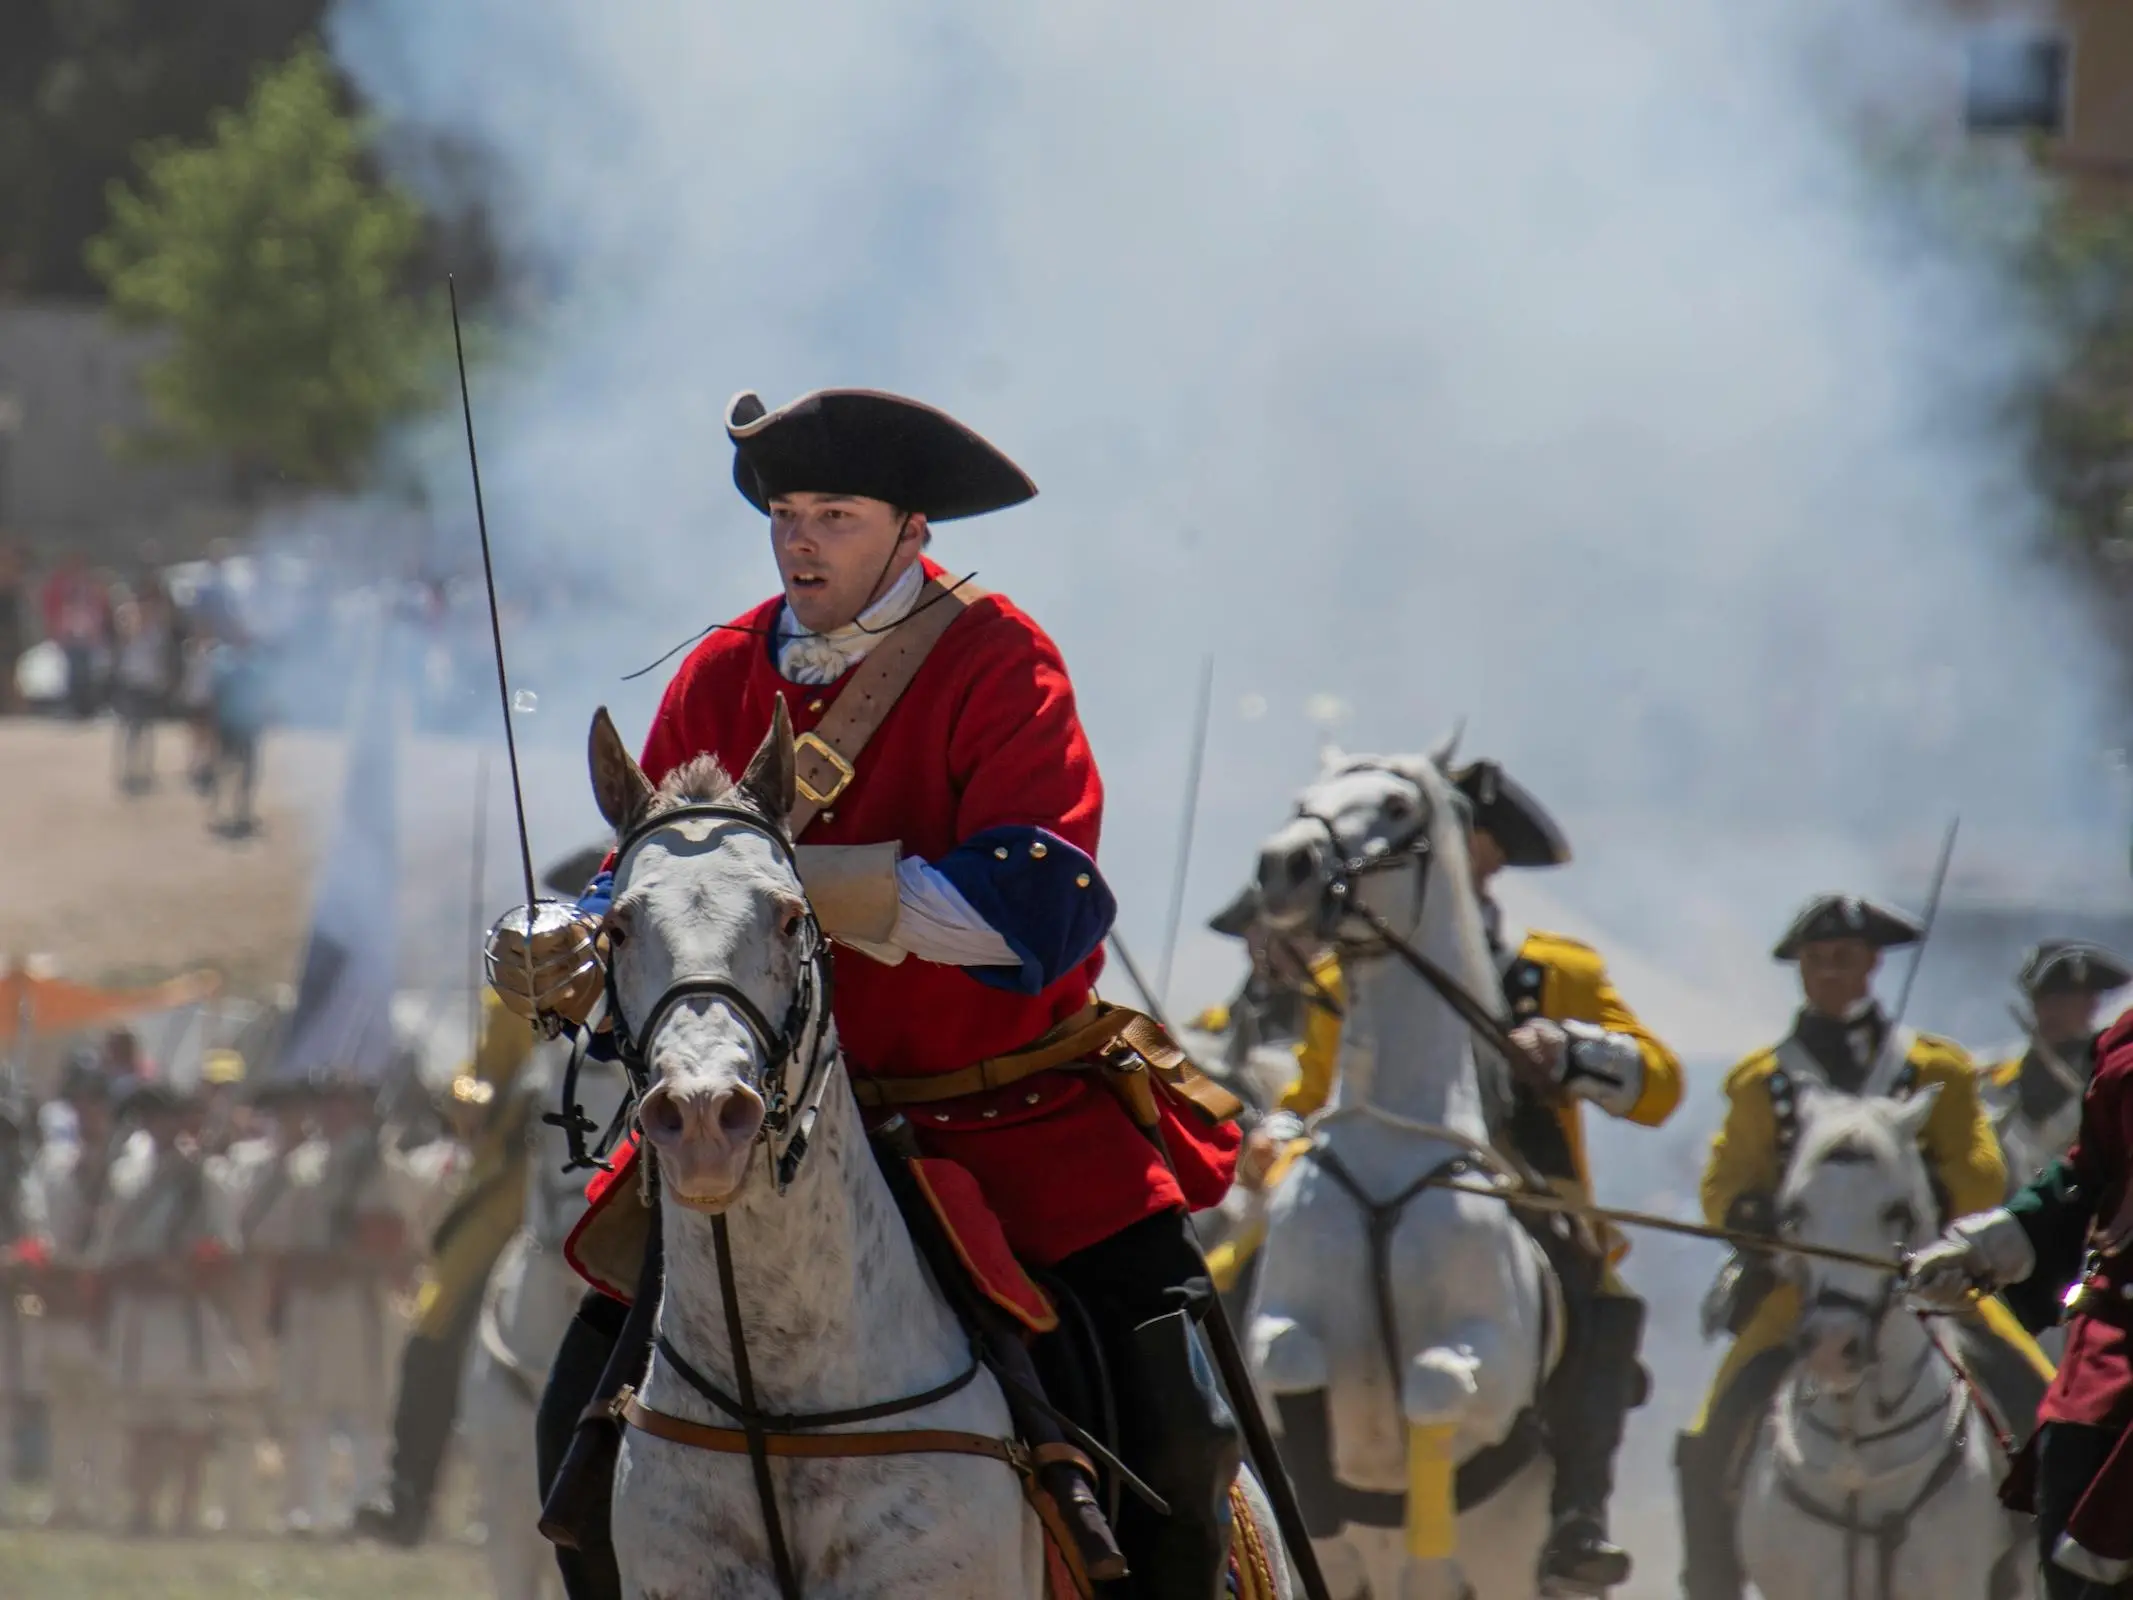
(1398, 807)
(790, 927)
(1790, 1217)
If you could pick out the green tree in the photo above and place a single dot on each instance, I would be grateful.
(83, 82)
(279, 265)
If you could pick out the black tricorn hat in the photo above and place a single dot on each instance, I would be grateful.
(1845, 916)
(1506, 809)
(864, 442)
(1236, 919)
(2069, 966)
(571, 874)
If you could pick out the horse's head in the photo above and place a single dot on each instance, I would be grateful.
(1857, 1183)
(716, 961)
(1369, 839)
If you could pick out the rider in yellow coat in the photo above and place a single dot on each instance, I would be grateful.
(1582, 1044)
(463, 1250)
(1841, 1041)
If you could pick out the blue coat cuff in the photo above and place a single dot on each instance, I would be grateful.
(1040, 894)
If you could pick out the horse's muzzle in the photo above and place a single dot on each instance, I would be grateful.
(1292, 878)
(703, 1137)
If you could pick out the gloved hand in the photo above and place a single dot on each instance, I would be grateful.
(544, 962)
(1980, 1253)
(854, 890)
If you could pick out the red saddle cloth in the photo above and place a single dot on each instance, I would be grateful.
(973, 1227)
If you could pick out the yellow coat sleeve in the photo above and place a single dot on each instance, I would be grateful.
(1743, 1158)
(1579, 990)
(505, 1045)
(1960, 1144)
(1318, 1051)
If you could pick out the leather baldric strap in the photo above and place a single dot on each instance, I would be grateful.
(824, 758)
(1100, 1037)
(896, 1442)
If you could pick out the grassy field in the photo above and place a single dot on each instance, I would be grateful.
(73, 1566)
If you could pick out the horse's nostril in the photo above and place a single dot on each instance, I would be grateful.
(1300, 865)
(740, 1114)
(661, 1117)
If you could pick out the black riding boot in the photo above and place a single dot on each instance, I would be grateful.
(1185, 1443)
(588, 1570)
(422, 1431)
(1710, 1555)
(1586, 1404)
(2069, 1455)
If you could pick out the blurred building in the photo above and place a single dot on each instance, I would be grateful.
(70, 390)
(2060, 70)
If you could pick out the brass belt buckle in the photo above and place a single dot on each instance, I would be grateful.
(845, 773)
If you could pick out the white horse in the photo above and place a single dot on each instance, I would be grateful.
(718, 978)
(526, 1307)
(1874, 1477)
(1434, 1343)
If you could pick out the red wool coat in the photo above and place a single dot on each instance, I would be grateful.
(2095, 1380)
(986, 736)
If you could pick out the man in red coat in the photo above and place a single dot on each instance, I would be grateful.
(2064, 1247)
(952, 857)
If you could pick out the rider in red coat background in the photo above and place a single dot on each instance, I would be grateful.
(985, 917)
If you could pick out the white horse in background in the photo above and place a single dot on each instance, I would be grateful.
(835, 1307)
(1875, 1477)
(1451, 1361)
(526, 1307)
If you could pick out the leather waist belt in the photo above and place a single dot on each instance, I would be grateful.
(1089, 1040)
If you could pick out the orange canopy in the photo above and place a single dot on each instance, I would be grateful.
(44, 1005)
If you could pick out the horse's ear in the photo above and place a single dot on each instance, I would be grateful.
(1331, 758)
(769, 780)
(619, 784)
(1443, 753)
(1915, 1110)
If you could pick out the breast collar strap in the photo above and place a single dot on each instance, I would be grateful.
(788, 1114)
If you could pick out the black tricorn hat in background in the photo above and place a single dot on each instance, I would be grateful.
(573, 872)
(1845, 916)
(2071, 966)
(1506, 809)
(864, 442)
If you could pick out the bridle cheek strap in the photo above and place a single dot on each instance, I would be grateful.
(789, 1115)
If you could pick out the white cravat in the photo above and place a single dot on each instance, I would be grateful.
(805, 657)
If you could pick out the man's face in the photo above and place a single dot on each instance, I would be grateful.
(2062, 1017)
(837, 553)
(1485, 855)
(1836, 974)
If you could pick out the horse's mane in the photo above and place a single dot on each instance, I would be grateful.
(701, 781)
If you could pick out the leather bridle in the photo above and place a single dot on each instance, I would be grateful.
(789, 1113)
(1341, 900)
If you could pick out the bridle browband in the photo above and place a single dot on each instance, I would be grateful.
(787, 1113)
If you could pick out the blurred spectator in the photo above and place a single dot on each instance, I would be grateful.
(14, 623)
(214, 609)
(121, 1062)
(77, 616)
(239, 698)
(149, 647)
